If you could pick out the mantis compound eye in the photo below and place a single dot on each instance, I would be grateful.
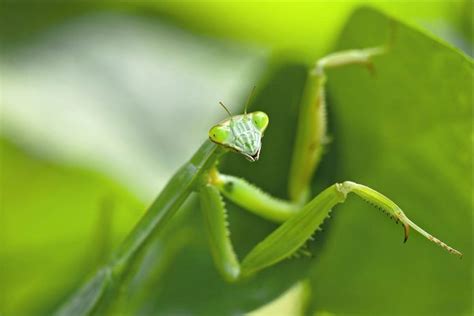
(219, 134)
(260, 120)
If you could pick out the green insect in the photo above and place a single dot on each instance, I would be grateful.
(300, 217)
(241, 133)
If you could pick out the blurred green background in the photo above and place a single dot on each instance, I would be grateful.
(102, 101)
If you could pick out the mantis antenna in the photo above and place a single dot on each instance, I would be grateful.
(248, 100)
(226, 109)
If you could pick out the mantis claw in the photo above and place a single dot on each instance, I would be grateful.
(406, 229)
(384, 203)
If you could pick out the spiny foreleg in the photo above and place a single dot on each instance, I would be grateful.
(292, 234)
(299, 223)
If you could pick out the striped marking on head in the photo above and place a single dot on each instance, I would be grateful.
(241, 133)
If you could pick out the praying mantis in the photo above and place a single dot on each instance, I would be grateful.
(299, 217)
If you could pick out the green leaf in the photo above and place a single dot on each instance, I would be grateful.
(407, 132)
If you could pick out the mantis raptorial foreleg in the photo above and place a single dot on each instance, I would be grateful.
(299, 223)
(299, 220)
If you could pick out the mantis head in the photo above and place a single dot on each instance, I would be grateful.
(241, 133)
